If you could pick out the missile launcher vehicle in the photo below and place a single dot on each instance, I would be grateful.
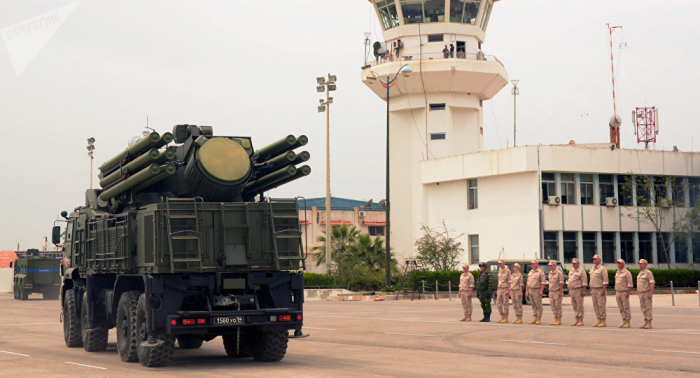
(180, 244)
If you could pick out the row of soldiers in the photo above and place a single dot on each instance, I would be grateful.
(510, 285)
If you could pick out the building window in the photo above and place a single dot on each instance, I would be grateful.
(663, 247)
(435, 38)
(696, 250)
(660, 191)
(387, 13)
(590, 246)
(570, 246)
(608, 247)
(551, 245)
(473, 195)
(627, 247)
(464, 11)
(434, 10)
(606, 188)
(586, 189)
(412, 11)
(474, 248)
(568, 189)
(624, 191)
(694, 190)
(376, 230)
(679, 184)
(437, 106)
(437, 136)
(485, 14)
(645, 247)
(549, 186)
(681, 250)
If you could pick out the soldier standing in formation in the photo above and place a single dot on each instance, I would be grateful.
(466, 286)
(645, 287)
(535, 289)
(556, 291)
(599, 284)
(503, 291)
(623, 286)
(483, 292)
(516, 293)
(577, 290)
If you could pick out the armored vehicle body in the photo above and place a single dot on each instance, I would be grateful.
(180, 244)
(36, 274)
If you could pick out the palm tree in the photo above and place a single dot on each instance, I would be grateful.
(341, 238)
(369, 252)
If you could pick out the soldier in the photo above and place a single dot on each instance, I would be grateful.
(535, 289)
(516, 293)
(503, 291)
(623, 286)
(645, 287)
(577, 290)
(556, 291)
(599, 285)
(466, 286)
(483, 292)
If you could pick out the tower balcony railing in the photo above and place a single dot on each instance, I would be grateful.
(406, 57)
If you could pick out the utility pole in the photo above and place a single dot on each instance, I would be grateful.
(91, 148)
(515, 91)
(614, 122)
(326, 107)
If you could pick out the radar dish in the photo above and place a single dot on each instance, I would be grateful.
(134, 139)
(615, 121)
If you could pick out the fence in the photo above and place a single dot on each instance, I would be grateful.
(408, 57)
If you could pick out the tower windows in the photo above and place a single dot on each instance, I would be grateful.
(423, 11)
(437, 106)
(437, 136)
(387, 13)
(485, 14)
(436, 37)
(464, 11)
(473, 195)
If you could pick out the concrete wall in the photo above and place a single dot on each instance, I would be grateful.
(6, 275)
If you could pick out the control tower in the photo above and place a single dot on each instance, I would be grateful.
(438, 110)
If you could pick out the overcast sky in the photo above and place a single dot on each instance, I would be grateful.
(95, 68)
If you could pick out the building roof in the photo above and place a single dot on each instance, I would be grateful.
(337, 204)
(6, 257)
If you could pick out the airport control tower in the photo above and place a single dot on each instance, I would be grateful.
(437, 111)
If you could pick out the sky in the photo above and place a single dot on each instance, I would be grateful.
(70, 70)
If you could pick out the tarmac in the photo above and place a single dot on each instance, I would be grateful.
(420, 338)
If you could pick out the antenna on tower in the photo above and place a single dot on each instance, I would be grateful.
(646, 121)
(615, 120)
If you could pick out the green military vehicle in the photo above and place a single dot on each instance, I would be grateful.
(525, 268)
(181, 244)
(36, 274)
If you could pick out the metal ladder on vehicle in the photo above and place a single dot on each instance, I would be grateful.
(284, 232)
(183, 212)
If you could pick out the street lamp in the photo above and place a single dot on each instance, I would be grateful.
(91, 148)
(406, 70)
(515, 91)
(325, 106)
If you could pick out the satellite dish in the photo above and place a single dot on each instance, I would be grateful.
(134, 139)
(615, 122)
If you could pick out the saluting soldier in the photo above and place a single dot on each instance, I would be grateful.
(516, 293)
(645, 287)
(623, 286)
(556, 291)
(466, 286)
(483, 292)
(534, 290)
(577, 290)
(503, 291)
(599, 285)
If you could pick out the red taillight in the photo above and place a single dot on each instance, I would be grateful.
(285, 318)
(299, 317)
(173, 322)
(58, 284)
(28, 284)
(201, 321)
(188, 321)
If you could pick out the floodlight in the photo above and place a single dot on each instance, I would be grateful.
(331, 87)
(90, 147)
(332, 78)
(320, 89)
(330, 99)
(320, 80)
(321, 108)
(320, 101)
(91, 140)
(515, 82)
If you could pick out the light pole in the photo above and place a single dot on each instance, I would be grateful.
(515, 91)
(321, 86)
(91, 148)
(406, 70)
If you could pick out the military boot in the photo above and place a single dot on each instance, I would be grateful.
(500, 320)
(533, 321)
(463, 319)
(505, 318)
(602, 323)
(488, 317)
(468, 319)
(575, 323)
(557, 321)
(538, 320)
(643, 326)
(624, 321)
(627, 323)
(648, 325)
(580, 321)
(597, 323)
(518, 319)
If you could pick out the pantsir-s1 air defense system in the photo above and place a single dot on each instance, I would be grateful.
(180, 244)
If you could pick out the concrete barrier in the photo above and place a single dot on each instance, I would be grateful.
(6, 275)
(313, 295)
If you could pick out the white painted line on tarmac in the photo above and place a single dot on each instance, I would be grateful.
(410, 319)
(675, 351)
(16, 354)
(323, 329)
(23, 324)
(531, 342)
(90, 366)
(408, 334)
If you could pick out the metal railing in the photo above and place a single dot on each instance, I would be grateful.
(407, 57)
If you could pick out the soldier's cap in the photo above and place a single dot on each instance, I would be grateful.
(552, 262)
(596, 257)
(465, 265)
(516, 264)
(642, 261)
(620, 261)
(481, 264)
(534, 262)
(574, 261)
(501, 262)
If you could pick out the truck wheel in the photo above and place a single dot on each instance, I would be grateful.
(126, 326)
(15, 292)
(94, 340)
(23, 295)
(270, 346)
(152, 355)
(71, 321)
(230, 346)
(189, 342)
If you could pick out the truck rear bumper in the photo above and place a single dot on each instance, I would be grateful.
(227, 322)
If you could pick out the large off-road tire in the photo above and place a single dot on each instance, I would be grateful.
(16, 293)
(23, 294)
(270, 346)
(94, 340)
(189, 342)
(152, 355)
(244, 348)
(126, 326)
(71, 320)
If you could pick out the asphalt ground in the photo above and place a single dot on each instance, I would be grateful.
(421, 338)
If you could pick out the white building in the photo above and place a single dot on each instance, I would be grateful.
(439, 170)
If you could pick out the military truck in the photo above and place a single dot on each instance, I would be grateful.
(36, 274)
(180, 243)
(525, 268)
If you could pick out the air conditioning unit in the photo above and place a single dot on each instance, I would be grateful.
(555, 200)
(362, 214)
(611, 201)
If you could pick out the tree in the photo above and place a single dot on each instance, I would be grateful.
(367, 251)
(341, 237)
(437, 250)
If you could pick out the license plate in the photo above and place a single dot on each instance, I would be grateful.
(222, 320)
